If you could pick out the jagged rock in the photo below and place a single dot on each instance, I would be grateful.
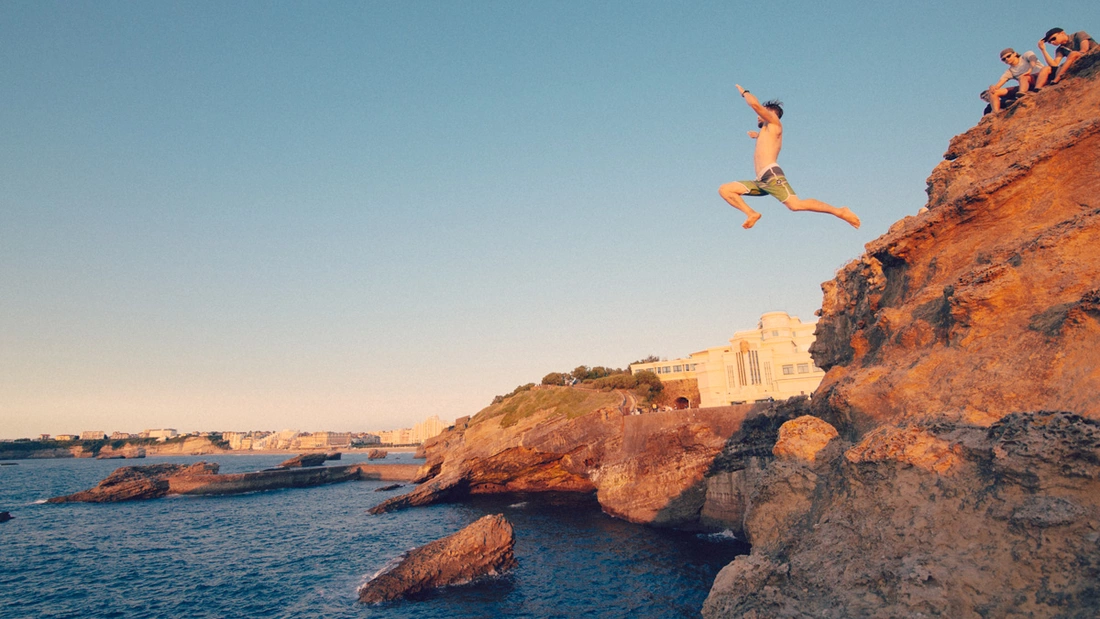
(5, 516)
(802, 439)
(377, 454)
(304, 460)
(1010, 528)
(989, 303)
(939, 498)
(334, 456)
(481, 549)
(132, 483)
(388, 488)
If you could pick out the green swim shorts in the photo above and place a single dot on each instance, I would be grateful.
(772, 182)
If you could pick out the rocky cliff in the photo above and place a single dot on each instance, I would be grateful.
(942, 485)
(643, 468)
(989, 303)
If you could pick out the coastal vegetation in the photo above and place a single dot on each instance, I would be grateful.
(574, 393)
(563, 401)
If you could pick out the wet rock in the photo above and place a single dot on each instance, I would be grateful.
(334, 456)
(5, 516)
(484, 548)
(377, 454)
(388, 488)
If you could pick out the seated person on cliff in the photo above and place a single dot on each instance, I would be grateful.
(1026, 69)
(1012, 93)
(1070, 48)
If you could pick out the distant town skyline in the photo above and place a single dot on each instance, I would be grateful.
(240, 215)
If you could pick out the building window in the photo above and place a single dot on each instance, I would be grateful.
(788, 370)
(677, 368)
(768, 372)
(731, 379)
(803, 368)
(741, 368)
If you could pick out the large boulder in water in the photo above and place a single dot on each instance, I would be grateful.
(485, 548)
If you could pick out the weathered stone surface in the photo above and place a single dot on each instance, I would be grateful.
(377, 454)
(989, 303)
(644, 468)
(802, 438)
(1010, 529)
(124, 452)
(132, 483)
(305, 460)
(484, 548)
(939, 498)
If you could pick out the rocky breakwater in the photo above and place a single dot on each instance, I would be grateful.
(643, 468)
(158, 480)
(942, 484)
(134, 483)
(484, 548)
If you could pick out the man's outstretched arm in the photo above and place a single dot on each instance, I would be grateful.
(769, 116)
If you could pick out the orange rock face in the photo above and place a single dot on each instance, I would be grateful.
(484, 548)
(803, 438)
(961, 373)
(988, 303)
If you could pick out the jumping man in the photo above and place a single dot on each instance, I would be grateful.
(769, 176)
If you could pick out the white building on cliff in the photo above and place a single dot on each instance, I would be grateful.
(771, 361)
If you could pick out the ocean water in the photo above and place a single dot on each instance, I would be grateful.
(305, 552)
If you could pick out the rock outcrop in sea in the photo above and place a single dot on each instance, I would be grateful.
(152, 482)
(137, 483)
(954, 465)
(484, 548)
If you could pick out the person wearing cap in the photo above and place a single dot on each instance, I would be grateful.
(1025, 69)
(1069, 47)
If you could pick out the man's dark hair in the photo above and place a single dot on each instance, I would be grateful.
(776, 106)
(1052, 32)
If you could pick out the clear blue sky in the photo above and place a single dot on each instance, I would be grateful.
(355, 215)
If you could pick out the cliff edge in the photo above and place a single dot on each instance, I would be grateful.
(959, 472)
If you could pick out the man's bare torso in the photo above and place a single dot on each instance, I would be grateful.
(768, 144)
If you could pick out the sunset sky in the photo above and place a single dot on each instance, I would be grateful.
(354, 215)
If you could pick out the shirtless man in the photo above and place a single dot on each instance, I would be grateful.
(769, 176)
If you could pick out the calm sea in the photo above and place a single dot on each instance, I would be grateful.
(305, 552)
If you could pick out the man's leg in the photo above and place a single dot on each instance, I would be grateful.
(809, 204)
(995, 98)
(732, 192)
(1044, 76)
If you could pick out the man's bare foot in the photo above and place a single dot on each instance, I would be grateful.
(751, 221)
(847, 215)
